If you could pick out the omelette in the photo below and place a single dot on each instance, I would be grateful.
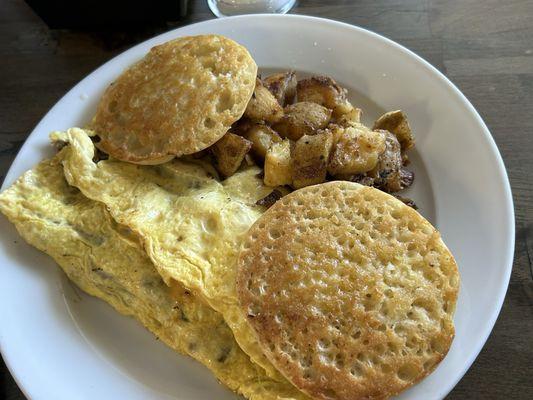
(190, 224)
(106, 260)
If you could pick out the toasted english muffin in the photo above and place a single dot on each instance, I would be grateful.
(179, 99)
(350, 292)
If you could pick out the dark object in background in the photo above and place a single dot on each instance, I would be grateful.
(107, 14)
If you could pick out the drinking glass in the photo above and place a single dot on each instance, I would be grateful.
(224, 8)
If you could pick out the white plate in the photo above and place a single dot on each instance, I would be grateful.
(62, 344)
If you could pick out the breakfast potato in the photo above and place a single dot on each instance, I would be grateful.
(356, 150)
(302, 118)
(229, 152)
(396, 123)
(249, 160)
(324, 91)
(282, 86)
(278, 164)
(310, 157)
(242, 126)
(200, 154)
(350, 118)
(262, 137)
(263, 106)
(387, 171)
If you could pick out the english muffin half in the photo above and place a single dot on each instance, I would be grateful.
(350, 292)
(179, 99)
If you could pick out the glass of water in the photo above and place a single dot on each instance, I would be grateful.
(225, 8)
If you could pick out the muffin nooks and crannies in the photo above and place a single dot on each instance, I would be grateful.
(350, 292)
(179, 99)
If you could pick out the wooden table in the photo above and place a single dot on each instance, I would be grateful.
(484, 46)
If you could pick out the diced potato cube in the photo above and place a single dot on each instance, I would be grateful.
(387, 172)
(302, 118)
(282, 86)
(242, 126)
(337, 131)
(350, 118)
(262, 138)
(324, 91)
(278, 164)
(396, 122)
(310, 157)
(229, 152)
(356, 150)
(263, 106)
(249, 160)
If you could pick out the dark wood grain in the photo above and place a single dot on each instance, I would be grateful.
(484, 46)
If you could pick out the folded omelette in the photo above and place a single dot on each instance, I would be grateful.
(106, 259)
(190, 224)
